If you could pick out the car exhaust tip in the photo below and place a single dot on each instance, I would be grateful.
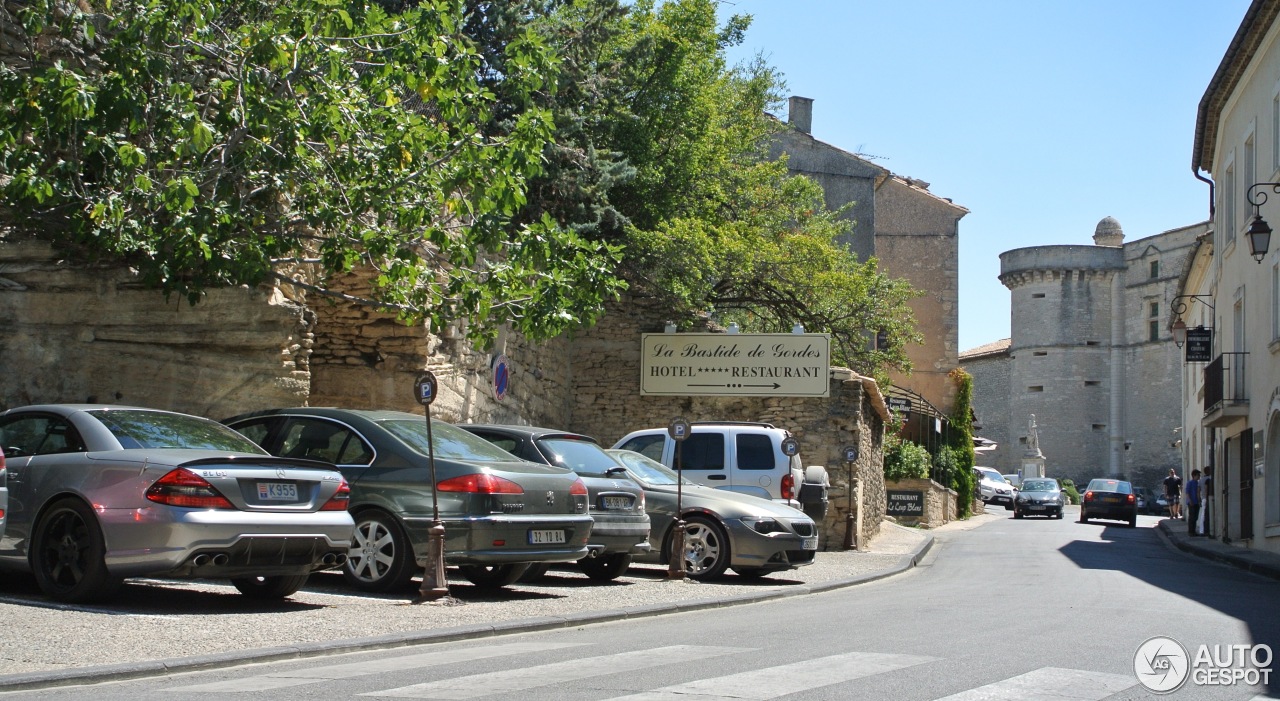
(221, 559)
(340, 559)
(200, 560)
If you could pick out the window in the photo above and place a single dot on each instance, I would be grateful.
(1153, 321)
(1275, 302)
(1092, 383)
(1037, 295)
(1229, 206)
(702, 451)
(1036, 388)
(1250, 173)
(313, 439)
(649, 446)
(1155, 270)
(1039, 353)
(755, 451)
(1091, 343)
(1275, 131)
(25, 435)
(1099, 427)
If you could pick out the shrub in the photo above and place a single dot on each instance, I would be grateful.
(906, 460)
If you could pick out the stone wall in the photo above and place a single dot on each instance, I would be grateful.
(92, 334)
(939, 502)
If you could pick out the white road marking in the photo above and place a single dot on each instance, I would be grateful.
(772, 682)
(1051, 684)
(516, 680)
(379, 665)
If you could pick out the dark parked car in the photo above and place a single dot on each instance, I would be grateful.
(1109, 499)
(102, 493)
(499, 513)
(723, 529)
(1039, 496)
(617, 504)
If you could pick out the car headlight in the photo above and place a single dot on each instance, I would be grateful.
(1022, 499)
(764, 524)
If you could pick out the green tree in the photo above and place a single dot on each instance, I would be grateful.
(232, 142)
(905, 460)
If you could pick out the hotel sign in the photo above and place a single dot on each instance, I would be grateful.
(1199, 345)
(735, 365)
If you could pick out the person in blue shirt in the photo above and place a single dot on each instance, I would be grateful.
(1193, 502)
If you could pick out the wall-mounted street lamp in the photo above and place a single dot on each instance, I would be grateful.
(1259, 232)
(1179, 327)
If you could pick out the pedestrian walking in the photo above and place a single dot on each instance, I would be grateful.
(1193, 502)
(1173, 493)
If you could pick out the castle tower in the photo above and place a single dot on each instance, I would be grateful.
(1067, 340)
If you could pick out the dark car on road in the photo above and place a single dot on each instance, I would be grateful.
(1109, 499)
(98, 494)
(723, 529)
(1039, 496)
(500, 513)
(617, 503)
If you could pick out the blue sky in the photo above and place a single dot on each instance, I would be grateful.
(1039, 116)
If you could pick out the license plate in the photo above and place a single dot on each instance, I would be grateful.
(617, 503)
(1036, 508)
(810, 543)
(277, 491)
(546, 537)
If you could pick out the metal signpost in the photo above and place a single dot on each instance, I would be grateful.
(678, 430)
(434, 583)
(850, 457)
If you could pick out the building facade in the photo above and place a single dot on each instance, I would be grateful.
(1231, 401)
(913, 233)
(1090, 357)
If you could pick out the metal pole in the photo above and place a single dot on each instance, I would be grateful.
(679, 430)
(434, 583)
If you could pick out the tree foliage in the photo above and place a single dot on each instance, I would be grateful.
(231, 142)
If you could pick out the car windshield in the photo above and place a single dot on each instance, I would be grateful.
(1110, 486)
(993, 476)
(1039, 486)
(646, 469)
(162, 429)
(449, 441)
(581, 456)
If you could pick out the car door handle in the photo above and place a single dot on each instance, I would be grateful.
(717, 477)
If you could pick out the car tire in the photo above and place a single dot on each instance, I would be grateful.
(67, 555)
(536, 571)
(1058, 515)
(1008, 507)
(706, 548)
(1017, 514)
(605, 568)
(381, 557)
(494, 576)
(1133, 521)
(750, 572)
(1083, 518)
(275, 587)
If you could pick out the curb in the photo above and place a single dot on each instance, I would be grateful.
(1261, 563)
(155, 668)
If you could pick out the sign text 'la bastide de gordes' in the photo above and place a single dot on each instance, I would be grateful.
(735, 365)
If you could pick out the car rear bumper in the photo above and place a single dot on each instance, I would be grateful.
(502, 539)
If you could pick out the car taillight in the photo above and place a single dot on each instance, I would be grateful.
(788, 487)
(480, 483)
(1088, 496)
(182, 487)
(579, 488)
(1130, 499)
(340, 500)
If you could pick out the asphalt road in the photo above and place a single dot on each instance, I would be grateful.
(1004, 610)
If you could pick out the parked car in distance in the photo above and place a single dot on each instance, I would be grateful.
(500, 513)
(617, 504)
(1109, 499)
(4, 492)
(103, 493)
(1039, 496)
(992, 487)
(739, 457)
(1147, 503)
(1014, 479)
(723, 529)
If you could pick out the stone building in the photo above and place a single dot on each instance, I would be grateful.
(1090, 356)
(912, 232)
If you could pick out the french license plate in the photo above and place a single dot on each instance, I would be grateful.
(1036, 508)
(277, 491)
(810, 543)
(546, 537)
(617, 503)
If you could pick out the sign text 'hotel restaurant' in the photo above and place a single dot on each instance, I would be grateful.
(735, 365)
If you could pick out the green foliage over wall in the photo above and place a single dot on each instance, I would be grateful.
(962, 478)
(906, 460)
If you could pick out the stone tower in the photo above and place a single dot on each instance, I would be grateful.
(1090, 354)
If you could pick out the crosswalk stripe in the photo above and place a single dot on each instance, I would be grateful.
(772, 682)
(373, 665)
(1050, 683)
(511, 681)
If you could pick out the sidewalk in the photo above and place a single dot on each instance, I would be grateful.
(138, 635)
(1260, 562)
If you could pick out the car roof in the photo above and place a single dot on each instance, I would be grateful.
(534, 432)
